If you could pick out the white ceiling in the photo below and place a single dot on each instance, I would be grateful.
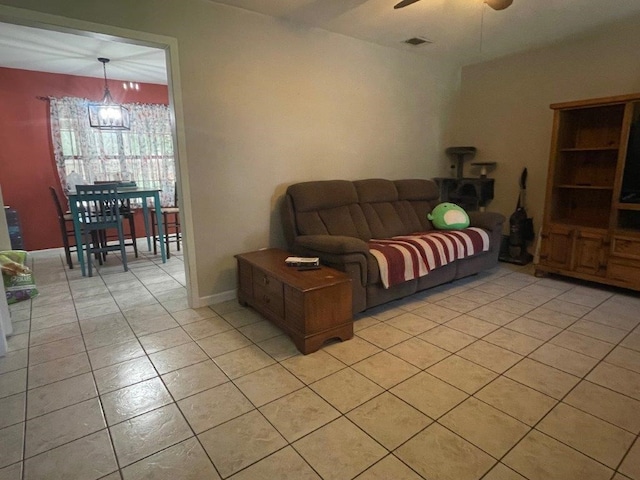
(462, 31)
(41, 50)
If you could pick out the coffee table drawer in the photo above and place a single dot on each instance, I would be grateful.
(268, 291)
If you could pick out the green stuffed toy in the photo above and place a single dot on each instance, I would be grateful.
(449, 216)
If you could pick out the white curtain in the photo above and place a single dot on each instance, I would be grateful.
(143, 154)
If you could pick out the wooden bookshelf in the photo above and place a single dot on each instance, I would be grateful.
(588, 231)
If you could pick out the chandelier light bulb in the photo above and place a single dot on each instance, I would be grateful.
(131, 86)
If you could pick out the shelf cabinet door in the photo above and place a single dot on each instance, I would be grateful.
(556, 248)
(590, 253)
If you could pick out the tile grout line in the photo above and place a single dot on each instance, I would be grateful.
(159, 377)
(98, 397)
(500, 374)
(350, 366)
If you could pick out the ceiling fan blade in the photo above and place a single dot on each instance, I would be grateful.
(498, 4)
(404, 3)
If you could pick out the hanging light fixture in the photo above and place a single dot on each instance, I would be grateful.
(108, 115)
(498, 4)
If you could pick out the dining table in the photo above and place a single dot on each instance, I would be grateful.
(124, 193)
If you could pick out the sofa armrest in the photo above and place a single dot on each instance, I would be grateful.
(487, 220)
(347, 254)
(332, 244)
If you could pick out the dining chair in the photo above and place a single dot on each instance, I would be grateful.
(98, 210)
(171, 224)
(126, 212)
(65, 222)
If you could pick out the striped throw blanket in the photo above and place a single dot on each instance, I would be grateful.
(407, 257)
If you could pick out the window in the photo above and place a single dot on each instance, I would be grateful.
(143, 154)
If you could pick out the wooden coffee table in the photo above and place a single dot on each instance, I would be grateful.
(311, 306)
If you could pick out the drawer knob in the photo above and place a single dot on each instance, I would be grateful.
(265, 280)
(266, 299)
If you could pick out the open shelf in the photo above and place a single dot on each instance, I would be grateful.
(628, 206)
(586, 167)
(585, 222)
(629, 220)
(588, 187)
(591, 128)
(588, 206)
(590, 149)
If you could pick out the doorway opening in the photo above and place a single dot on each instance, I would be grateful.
(62, 50)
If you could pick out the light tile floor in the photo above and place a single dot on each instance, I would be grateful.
(501, 376)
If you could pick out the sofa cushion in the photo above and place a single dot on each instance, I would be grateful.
(328, 207)
(422, 195)
(387, 212)
(322, 194)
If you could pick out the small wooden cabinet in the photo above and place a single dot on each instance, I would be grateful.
(590, 229)
(311, 306)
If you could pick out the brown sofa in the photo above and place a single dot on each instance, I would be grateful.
(334, 219)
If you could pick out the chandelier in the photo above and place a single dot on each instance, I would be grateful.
(107, 114)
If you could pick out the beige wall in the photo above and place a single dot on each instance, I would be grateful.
(267, 103)
(503, 107)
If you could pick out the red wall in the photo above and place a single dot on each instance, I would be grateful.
(27, 167)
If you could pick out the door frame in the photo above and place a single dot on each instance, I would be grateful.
(111, 33)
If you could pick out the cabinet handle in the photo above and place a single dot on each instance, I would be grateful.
(265, 280)
(266, 299)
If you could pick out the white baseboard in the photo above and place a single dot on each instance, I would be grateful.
(217, 298)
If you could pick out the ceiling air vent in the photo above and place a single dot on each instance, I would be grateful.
(415, 41)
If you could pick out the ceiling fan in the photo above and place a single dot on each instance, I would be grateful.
(495, 4)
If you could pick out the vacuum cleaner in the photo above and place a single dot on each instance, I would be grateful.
(514, 246)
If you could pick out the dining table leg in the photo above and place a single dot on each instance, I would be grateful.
(77, 230)
(161, 233)
(145, 216)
